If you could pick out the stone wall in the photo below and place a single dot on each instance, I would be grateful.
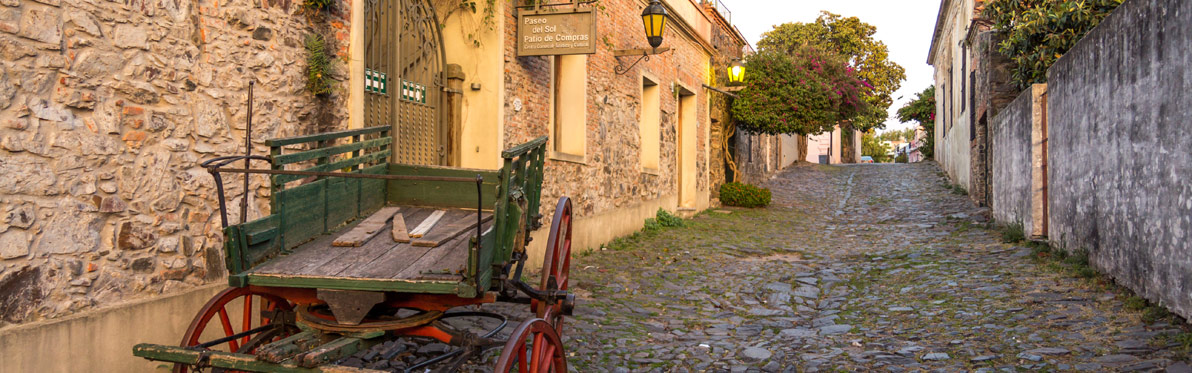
(106, 108)
(994, 90)
(611, 175)
(1118, 115)
(758, 156)
(1011, 155)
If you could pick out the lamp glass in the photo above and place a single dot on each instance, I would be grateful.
(736, 73)
(654, 19)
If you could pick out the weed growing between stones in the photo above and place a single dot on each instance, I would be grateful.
(661, 220)
(1013, 233)
(318, 66)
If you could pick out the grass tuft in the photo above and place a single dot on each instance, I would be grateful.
(1013, 233)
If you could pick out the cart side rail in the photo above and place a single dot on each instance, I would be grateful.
(303, 207)
(520, 192)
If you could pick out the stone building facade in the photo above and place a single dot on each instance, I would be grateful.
(107, 108)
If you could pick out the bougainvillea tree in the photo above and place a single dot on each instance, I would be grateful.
(805, 92)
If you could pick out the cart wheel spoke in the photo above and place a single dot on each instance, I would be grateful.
(556, 265)
(217, 307)
(227, 328)
(534, 347)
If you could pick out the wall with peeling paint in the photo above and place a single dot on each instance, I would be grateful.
(1119, 149)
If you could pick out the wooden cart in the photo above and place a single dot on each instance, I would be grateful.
(359, 251)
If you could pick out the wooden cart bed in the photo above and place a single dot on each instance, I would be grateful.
(381, 257)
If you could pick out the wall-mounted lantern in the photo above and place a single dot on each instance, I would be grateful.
(736, 73)
(654, 19)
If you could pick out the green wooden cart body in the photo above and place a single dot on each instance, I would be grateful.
(302, 213)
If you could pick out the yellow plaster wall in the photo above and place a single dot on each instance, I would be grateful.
(482, 119)
(688, 123)
(569, 107)
(651, 113)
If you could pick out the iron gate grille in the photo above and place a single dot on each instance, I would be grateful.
(403, 78)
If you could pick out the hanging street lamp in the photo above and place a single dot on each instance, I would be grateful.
(654, 19)
(736, 73)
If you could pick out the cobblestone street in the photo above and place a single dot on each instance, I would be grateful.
(870, 267)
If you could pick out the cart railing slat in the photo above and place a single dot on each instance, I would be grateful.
(325, 136)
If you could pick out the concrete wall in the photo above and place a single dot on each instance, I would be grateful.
(102, 340)
(790, 150)
(954, 153)
(1013, 163)
(1118, 117)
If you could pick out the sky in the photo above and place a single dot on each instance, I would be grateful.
(904, 26)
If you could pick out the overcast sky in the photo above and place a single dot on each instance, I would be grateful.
(905, 26)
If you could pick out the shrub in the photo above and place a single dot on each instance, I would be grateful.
(1039, 32)
(662, 219)
(744, 195)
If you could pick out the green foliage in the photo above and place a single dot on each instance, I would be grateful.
(922, 110)
(872, 145)
(900, 135)
(317, 5)
(662, 219)
(901, 158)
(1135, 303)
(1013, 233)
(744, 195)
(853, 40)
(1039, 32)
(1154, 314)
(318, 66)
(805, 92)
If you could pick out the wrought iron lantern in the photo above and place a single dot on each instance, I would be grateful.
(654, 18)
(736, 73)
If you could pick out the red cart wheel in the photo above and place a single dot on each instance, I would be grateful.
(217, 308)
(556, 266)
(534, 347)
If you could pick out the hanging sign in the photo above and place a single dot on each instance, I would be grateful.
(547, 33)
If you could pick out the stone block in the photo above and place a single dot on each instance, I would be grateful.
(129, 36)
(7, 90)
(134, 139)
(93, 63)
(262, 33)
(70, 231)
(14, 244)
(138, 92)
(10, 20)
(75, 98)
(42, 25)
(21, 216)
(133, 236)
(84, 21)
(112, 204)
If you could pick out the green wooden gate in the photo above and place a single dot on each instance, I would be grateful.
(403, 62)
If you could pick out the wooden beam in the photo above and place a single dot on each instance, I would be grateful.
(639, 52)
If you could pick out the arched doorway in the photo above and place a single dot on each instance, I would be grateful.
(403, 62)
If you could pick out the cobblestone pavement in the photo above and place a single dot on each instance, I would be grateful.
(854, 268)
